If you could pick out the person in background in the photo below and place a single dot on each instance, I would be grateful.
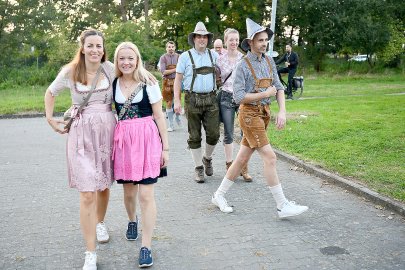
(219, 47)
(141, 147)
(227, 63)
(90, 138)
(168, 63)
(290, 60)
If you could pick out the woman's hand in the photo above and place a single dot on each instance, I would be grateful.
(55, 124)
(165, 158)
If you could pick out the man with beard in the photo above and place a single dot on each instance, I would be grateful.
(254, 83)
(196, 69)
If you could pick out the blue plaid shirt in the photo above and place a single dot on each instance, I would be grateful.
(244, 82)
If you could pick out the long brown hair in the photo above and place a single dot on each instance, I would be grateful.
(78, 65)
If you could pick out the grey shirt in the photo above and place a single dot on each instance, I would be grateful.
(244, 82)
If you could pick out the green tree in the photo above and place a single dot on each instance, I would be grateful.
(390, 54)
(176, 19)
(129, 31)
(24, 24)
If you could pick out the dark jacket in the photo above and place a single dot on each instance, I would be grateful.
(292, 58)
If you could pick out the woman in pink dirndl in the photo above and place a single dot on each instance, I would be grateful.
(141, 149)
(90, 139)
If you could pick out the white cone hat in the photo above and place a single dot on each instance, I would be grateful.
(252, 29)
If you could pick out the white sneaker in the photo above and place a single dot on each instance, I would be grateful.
(221, 202)
(290, 209)
(90, 262)
(169, 129)
(102, 233)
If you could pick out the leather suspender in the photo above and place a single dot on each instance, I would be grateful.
(202, 70)
(253, 71)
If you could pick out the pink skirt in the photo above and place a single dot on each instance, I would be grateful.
(137, 149)
(89, 147)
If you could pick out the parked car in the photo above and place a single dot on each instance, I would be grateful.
(359, 58)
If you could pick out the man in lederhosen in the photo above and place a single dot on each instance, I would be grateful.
(168, 63)
(254, 82)
(196, 69)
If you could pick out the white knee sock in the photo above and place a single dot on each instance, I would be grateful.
(224, 187)
(209, 149)
(278, 195)
(197, 156)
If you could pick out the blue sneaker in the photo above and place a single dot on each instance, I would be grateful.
(132, 231)
(145, 257)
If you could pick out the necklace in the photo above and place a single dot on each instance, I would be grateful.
(127, 86)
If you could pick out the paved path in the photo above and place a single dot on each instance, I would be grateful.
(40, 216)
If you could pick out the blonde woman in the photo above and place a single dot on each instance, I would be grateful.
(227, 62)
(90, 139)
(141, 147)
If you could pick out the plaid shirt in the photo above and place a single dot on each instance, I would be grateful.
(244, 82)
(226, 67)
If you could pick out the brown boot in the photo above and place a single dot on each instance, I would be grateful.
(199, 174)
(245, 174)
(228, 164)
(209, 170)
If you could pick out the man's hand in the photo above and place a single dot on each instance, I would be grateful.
(287, 64)
(177, 106)
(281, 120)
(271, 91)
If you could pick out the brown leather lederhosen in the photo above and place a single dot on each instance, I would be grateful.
(168, 84)
(254, 118)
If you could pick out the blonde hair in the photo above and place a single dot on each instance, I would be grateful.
(78, 64)
(140, 73)
(229, 31)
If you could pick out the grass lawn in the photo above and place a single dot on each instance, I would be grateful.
(23, 99)
(352, 126)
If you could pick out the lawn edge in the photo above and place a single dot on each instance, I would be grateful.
(349, 185)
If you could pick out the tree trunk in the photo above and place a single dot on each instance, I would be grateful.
(147, 24)
(123, 11)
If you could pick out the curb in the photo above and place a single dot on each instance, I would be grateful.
(344, 183)
(16, 116)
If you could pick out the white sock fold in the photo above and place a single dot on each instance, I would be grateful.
(209, 149)
(278, 195)
(197, 156)
(224, 187)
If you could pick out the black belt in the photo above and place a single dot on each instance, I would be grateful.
(202, 94)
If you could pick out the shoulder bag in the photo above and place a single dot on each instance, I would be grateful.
(67, 116)
(129, 101)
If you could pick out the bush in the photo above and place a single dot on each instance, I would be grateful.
(29, 75)
(129, 31)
